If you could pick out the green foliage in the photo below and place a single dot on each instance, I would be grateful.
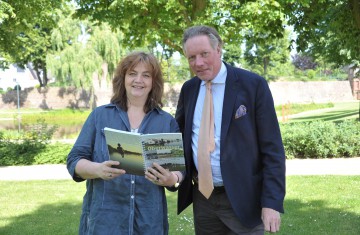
(82, 49)
(39, 133)
(268, 53)
(25, 33)
(146, 22)
(311, 74)
(175, 71)
(30, 146)
(327, 28)
(17, 154)
(321, 139)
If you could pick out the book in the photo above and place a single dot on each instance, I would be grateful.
(136, 152)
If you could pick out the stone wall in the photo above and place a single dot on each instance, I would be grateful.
(283, 92)
(307, 92)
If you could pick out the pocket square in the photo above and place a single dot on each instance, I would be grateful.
(241, 111)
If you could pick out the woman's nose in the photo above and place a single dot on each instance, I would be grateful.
(138, 78)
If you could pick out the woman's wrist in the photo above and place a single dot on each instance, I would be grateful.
(178, 178)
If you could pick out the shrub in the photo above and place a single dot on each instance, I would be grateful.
(13, 154)
(22, 149)
(321, 139)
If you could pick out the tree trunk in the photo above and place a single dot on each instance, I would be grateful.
(266, 63)
(38, 75)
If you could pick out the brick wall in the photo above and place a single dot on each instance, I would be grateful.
(283, 92)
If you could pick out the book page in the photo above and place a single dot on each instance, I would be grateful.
(126, 148)
(166, 149)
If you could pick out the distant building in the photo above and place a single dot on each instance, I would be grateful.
(14, 75)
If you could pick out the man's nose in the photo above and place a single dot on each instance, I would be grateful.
(199, 61)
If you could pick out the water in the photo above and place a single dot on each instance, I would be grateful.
(63, 132)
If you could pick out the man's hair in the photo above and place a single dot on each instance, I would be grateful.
(129, 62)
(200, 30)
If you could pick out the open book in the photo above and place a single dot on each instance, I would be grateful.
(136, 152)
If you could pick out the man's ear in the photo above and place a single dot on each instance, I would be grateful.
(218, 49)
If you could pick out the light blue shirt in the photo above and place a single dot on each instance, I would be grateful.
(218, 89)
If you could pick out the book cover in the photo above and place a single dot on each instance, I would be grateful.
(136, 152)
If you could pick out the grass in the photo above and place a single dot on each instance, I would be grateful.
(65, 117)
(298, 108)
(339, 112)
(318, 205)
(313, 205)
(54, 207)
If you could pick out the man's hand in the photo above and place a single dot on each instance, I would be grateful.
(271, 220)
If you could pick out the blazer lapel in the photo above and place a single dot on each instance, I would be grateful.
(192, 95)
(231, 89)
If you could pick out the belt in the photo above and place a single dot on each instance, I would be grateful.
(217, 189)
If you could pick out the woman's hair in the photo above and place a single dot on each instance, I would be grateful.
(129, 62)
(200, 30)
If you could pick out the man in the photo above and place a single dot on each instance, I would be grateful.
(248, 162)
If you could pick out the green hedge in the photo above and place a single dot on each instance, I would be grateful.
(321, 139)
(301, 140)
(12, 154)
(32, 146)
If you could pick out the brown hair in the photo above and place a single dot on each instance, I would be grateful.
(129, 62)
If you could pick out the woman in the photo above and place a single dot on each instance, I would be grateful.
(116, 202)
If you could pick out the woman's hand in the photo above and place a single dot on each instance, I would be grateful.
(161, 176)
(105, 170)
(92, 170)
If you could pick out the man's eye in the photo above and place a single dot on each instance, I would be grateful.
(191, 58)
(205, 54)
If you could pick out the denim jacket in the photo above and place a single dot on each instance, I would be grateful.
(128, 204)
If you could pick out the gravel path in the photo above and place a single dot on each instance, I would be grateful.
(339, 166)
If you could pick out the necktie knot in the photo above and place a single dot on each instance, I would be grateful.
(208, 85)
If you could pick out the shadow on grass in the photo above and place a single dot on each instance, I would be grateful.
(313, 217)
(318, 218)
(48, 219)
(328, 116)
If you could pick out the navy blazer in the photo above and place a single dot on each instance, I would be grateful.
(252, 157)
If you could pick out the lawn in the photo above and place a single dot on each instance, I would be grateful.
(313, 204)
(340, 111)
(318, 205)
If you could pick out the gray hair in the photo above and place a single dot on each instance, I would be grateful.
(200, 30)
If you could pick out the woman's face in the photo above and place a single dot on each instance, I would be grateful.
(138, 82)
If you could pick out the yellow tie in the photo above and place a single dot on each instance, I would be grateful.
(206, 144)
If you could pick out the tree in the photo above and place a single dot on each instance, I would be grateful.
(152, 22)
(24, 32)
(266, 52)
(303, 62)
(327, 28)
(81, 49)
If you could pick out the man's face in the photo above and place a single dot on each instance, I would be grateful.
(204, 60)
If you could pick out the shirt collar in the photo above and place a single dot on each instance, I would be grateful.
(220, 78)
(158, 109)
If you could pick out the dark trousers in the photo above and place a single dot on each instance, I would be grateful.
(216, 216)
